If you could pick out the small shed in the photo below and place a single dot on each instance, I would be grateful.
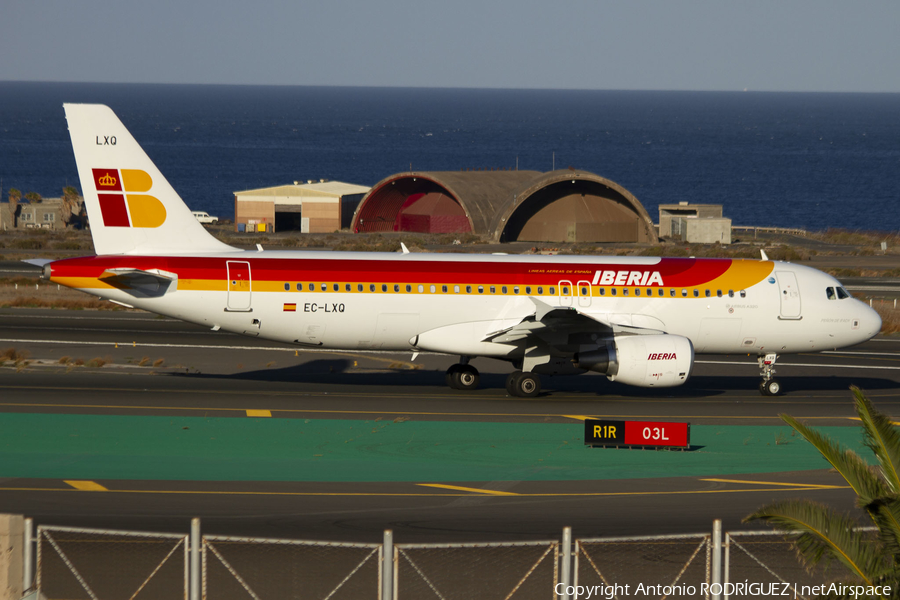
(694, 223)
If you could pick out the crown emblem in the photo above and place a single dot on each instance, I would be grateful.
(107, 180)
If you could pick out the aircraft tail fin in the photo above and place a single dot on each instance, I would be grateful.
(131, 207)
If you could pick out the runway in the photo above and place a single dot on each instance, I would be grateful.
(265, 440)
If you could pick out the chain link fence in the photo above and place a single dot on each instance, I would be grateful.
(237, 568)
(76, 563)
(501, 571)
(93, 564)
(770, 557)
(669, 566)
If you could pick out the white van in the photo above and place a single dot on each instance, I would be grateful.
(204, 217)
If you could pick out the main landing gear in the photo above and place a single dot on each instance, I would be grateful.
(524, 385)
(769, 386)
(462, 376)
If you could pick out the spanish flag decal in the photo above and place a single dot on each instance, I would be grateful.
(290, 308)
(133, 208)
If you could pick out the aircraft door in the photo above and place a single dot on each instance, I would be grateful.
(584, 293)
(239, 285)
(565, 293)
(790, 294)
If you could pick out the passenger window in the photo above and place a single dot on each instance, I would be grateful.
(396, 287)
(584, 291)
(383, 287)
(625, 291)
(480, 289)
(683, 293)
(672, 292)
(347, 288)
(287, 287)
(842, 293)
(324, 287)
(528, 289)
(409, 288)
(696, 293)
(708, 293)
(552, 291)
(455, 289)
(371, 287)
(515, 289)
(662, 292)
(493, 290)
(731, 293)
(312, 288)
(743, 293)
(613, 291)
(468, 289)
(443, 289)
(602, 291)
(503, 289)
(359, 287)
(719, 293)
(637, 291)
(540, 290)
(565, 291)
(336, 287)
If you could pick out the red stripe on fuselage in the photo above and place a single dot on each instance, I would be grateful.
(675, 272)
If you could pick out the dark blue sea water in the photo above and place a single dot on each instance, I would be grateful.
(797, 160)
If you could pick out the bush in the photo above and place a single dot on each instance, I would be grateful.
(28, 244)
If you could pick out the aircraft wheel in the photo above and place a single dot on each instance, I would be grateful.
(772, 387)
(524, 385)
(451, 376)
(465, 378)
(511, 382)
(762, 388)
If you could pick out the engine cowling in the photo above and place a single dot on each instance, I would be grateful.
(642, 360)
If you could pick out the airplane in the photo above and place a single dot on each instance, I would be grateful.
(637, 320)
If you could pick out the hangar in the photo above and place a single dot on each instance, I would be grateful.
(312, 207)
(560, 206)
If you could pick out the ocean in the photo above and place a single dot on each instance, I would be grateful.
(772, 159)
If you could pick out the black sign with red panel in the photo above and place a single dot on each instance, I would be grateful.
(637, 433)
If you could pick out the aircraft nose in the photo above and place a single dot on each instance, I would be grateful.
(870, 322)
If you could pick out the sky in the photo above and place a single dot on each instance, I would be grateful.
(759, 45)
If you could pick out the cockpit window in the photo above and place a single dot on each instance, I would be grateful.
(842, 293)
(830, 293)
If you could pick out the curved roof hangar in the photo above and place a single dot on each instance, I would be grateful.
(560, 206)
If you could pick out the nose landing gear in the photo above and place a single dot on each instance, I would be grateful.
(769, 386)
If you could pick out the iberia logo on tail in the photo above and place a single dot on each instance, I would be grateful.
(123, 201)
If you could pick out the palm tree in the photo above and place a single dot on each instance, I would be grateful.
(829, 536)
(14, 197)
(71, 200)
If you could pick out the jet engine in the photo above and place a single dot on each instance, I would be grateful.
(642, 360)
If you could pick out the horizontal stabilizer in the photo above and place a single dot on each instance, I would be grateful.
(139, 283)
(38, 262)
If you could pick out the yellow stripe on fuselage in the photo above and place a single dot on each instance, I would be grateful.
(742, 274)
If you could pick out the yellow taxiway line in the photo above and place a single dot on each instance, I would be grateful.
(811, 486)
(453, 492)
(468, 489)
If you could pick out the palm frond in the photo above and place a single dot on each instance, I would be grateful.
(882, 437)
(886, 514)
(849, 464)
(827, 535)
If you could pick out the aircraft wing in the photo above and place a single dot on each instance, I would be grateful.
(562, 326)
